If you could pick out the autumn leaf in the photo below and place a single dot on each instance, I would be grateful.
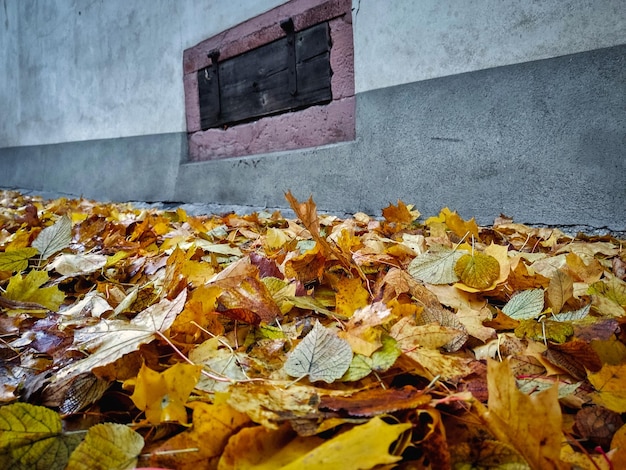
(162, 396)
(454, 222)
(213, 425)
(525, 305)
(478, 270)
(29, 289)
(436, 266)
(380, 360)
(360, 330)
(32, 437)
(560, 290)
(260, 448)
(321, 355)
(107, 446)
(77, 265)
(54, 238)
(531, 424)
(16, 260)
(351, 296)
(108, 340)
(609, 383)
(400, 214)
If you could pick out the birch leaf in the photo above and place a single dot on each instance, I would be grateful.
(525, 305)
(54, 238)
(321, 355)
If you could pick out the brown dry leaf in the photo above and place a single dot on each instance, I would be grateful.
(560, 290)
(271, 404)
(375, 402)
(307, 213)
(400, 214)
(531, 424)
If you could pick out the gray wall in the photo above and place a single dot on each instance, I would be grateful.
(487, 106)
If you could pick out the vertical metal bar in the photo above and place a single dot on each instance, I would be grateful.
(289, 29)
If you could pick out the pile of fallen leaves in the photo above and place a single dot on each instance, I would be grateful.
(134, 337)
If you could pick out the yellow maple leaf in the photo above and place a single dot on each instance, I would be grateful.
(28, 289)
(162, 396)
(455, 223)
(351, 295)
(400, 214)
(609, 383)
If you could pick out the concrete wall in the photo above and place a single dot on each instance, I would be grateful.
(487, 106)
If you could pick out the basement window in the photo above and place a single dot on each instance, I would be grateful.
(285, 75)
(281, 81)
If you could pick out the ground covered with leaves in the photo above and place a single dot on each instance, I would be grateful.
(137, 337)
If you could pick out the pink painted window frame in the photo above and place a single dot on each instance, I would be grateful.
(311, 127)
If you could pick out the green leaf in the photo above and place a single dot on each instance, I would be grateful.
(16, 260)
(436, 266)
(380, 361)
(107, 446)
(54, 238)
(525, 305)
(31, 438)
(28, 289)
(321, 355)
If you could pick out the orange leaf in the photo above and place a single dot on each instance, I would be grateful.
(400, 214)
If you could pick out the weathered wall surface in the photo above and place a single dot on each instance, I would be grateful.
(9, 72)
(105, 69)
(487, 107)
(407, 41)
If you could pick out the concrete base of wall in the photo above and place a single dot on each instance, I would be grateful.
(543, 142)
